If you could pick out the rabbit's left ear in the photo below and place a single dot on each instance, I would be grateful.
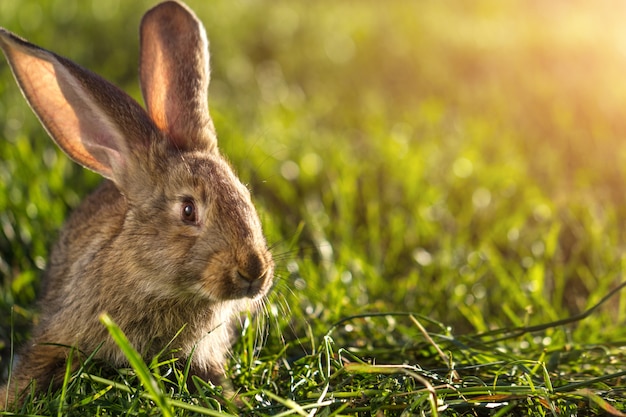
(174, 72)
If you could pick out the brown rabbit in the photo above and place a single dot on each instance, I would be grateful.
(171, 239)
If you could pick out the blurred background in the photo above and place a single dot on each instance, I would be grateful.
(462, 160)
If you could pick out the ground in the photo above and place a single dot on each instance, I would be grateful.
(441, 183)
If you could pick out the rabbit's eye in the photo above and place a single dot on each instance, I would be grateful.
(188, 211)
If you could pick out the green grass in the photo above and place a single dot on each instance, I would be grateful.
(442, 183)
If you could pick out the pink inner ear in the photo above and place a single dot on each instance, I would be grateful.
(51, 92)
(159, 79)
(158, 74)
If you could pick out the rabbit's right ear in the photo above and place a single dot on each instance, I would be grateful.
(94, 122)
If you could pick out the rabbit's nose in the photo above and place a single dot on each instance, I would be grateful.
(253, 267)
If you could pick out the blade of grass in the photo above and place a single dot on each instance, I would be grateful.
(432, 398)
(294, 407)
(511, 333)
(11, 355)
(454, 375)
(66, 380)
(174, 403)
(599, 401)
(137, 363)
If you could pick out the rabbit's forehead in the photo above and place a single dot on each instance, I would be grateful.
(205, 176)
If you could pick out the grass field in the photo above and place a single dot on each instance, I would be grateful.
(443, 184)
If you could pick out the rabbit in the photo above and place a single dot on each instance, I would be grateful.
(170, 240)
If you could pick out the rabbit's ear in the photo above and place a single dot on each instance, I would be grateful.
(174, 72)
(93, 121)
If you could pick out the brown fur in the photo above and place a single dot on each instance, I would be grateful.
(127, 250)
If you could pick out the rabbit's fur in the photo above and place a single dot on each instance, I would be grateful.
(171, 239)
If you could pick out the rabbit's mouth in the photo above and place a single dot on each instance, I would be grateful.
(232, 287)
(252, 276)
(242, 285)
(256, 287)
